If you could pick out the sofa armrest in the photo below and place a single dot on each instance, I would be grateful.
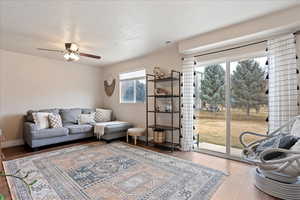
(29, 129)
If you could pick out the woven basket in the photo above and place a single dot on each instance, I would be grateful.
(159, 137)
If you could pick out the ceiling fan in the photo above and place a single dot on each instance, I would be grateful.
(71, 52)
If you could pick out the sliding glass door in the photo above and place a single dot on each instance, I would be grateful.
(230, 99)
(248, 92)
(210, 109)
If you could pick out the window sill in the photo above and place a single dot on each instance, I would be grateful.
(132, 102)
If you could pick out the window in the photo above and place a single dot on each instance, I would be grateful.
(132, 87)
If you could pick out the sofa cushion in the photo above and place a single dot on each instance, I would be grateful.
(87, 110)
(86, 118)
(49, 133)
(75, 128)
(117, 127)
(29, 117)
(70, 115)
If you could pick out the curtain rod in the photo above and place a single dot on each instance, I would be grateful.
(237, 47)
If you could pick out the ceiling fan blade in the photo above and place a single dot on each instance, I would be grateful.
(60, 51)
(90, 55)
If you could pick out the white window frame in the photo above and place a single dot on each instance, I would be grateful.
(135, 79)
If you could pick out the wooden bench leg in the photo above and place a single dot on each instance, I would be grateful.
(127, 138)
(135, 139)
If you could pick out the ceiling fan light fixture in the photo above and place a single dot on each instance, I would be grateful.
(74, 47)
(71, 56)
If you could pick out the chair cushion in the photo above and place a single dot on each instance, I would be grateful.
(70, 115)
(82, 128)
(285, 142)
(269, 143)
(49, 133)
(136, 131)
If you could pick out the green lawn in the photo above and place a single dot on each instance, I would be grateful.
(212, 126)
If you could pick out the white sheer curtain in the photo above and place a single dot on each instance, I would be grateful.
(283, 80)
(187, 109)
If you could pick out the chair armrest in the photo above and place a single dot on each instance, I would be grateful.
(295, 155)
(255, 142)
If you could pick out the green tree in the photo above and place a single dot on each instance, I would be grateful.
(248, 86)
(212, 86)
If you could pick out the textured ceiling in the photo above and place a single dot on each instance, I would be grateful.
(118, 30)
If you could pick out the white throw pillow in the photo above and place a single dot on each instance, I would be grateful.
(296, 147)
(293, 169)
(296, 128)
(103, 115)
(41, 119)
(55, 121)
(86, 118)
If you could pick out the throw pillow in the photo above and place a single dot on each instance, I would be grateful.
(29, 116)
(268, 144)
(103, 115)
(70, 115)
(41, 120)
(295, 128)
(86, 119)
(55, 121)
(293, 169)
(296, 147)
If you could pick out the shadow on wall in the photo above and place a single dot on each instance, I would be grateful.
(12, 126)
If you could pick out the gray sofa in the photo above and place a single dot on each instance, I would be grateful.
(70, 130)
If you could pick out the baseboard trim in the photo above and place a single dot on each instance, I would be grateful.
(12, 143)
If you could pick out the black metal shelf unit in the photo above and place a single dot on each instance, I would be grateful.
(175, 80)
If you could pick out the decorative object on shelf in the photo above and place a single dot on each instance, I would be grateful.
(109, 87)
(158, 73)
(168, 107)
(161, 91)
(157, 108)
(159, 135)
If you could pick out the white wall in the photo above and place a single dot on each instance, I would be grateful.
(254, 29)
(167, 59)
(29, 82)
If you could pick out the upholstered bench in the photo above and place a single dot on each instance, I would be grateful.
(135, 132)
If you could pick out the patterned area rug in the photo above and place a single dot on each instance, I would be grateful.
(114, 171)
